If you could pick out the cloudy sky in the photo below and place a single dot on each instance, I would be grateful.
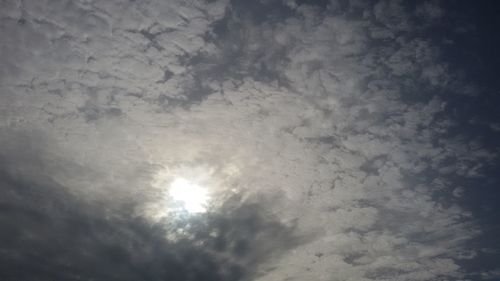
(263, 140)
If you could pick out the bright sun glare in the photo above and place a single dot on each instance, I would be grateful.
(193, 197)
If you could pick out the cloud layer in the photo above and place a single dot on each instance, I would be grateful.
(323, 129)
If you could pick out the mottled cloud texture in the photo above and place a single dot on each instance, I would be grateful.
(322, 128)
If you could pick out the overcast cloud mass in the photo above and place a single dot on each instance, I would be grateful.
(337, 140)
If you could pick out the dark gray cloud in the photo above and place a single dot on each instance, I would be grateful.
(48, 233)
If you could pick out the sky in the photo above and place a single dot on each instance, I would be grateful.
(263, 140)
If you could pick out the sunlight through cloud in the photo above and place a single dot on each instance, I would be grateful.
(193, 197)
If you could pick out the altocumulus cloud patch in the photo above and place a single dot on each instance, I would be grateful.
(325, 134)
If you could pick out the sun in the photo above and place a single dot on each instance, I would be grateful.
(193, 197)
